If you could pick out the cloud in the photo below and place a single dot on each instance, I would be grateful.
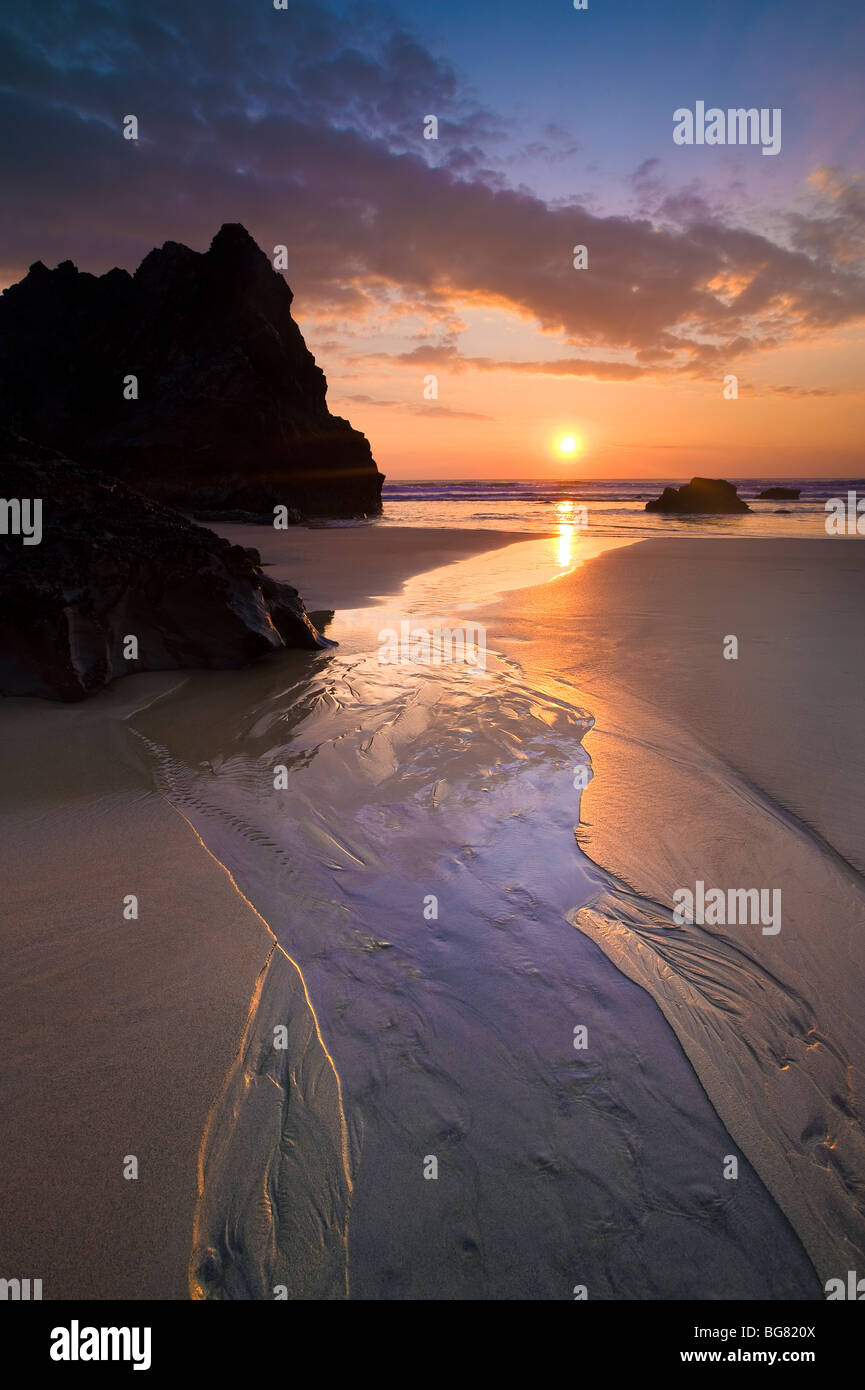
(646, 173)
(308, 128)
(833, 230)
(419, 408)
(444, 412)
(803, 391)
(449, 358)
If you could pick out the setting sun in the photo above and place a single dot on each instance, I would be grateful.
(568, 444)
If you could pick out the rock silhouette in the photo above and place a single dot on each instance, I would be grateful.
(111, 564)
(699, 497)
(779, 494)
(231, 414)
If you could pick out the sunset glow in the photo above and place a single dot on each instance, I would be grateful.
(468, 354)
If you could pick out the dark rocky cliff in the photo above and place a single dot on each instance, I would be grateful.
(231, 411)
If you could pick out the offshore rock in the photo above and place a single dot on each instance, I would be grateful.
(699, 497)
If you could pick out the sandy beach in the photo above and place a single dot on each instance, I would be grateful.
(737, 773)
(125, 1028)
(130, 1027)
(351, 566)
(410, 1036)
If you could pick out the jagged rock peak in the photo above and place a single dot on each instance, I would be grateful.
(227, 410)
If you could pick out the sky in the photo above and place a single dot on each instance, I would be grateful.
(717, 326)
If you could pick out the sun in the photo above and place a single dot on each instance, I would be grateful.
(569, 444)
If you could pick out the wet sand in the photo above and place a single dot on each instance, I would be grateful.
(349, 566)
(452, 1034)
(453, 1040)
(117, 1035)
(409, 1038)
(738, 773)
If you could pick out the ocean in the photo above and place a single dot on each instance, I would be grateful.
(613, 507)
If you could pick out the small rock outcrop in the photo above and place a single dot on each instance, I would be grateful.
(779, 494)
(227, 409)
(96, 564)
(699, 497)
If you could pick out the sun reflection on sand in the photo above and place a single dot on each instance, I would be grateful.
(566, 513)
(565, 548)
(480, 579)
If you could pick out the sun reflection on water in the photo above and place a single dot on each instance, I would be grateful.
(565, 551)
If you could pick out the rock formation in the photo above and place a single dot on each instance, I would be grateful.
(779, 494)
(230, 414)
(108, 565)
(701, 496)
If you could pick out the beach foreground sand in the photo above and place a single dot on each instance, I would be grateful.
(145, 1034)
(349, 566)
(116, 1035)
(739, 773)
